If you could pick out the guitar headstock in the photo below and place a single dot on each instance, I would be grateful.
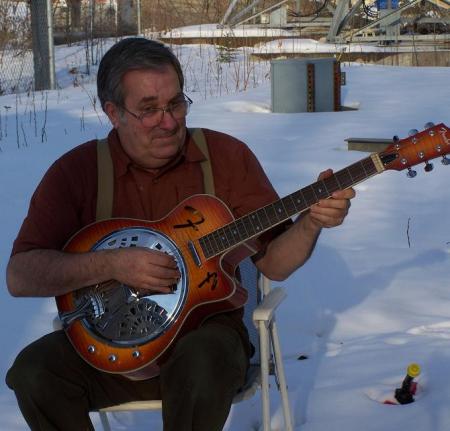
(420, 147)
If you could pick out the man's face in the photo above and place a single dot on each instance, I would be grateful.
(149, 147)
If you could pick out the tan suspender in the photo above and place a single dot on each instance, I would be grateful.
(208, 180)
(105, 173)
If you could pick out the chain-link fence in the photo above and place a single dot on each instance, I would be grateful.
(16, 58)
(75, 20)
(83, 22)
(86, 23)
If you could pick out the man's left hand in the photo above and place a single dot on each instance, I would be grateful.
(331, 212)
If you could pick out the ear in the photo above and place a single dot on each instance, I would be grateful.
(113, 113)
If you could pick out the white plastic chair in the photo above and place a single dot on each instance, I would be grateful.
(260, 321)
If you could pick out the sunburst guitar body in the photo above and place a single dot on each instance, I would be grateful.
(119, 330)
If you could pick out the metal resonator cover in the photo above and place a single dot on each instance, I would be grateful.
(121, 315)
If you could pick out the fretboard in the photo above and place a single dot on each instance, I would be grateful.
(263, 219)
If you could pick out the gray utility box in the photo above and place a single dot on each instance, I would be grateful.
(305, 85)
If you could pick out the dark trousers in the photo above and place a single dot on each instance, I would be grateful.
(56, 388)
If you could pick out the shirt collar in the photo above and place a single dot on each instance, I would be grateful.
(122, 162)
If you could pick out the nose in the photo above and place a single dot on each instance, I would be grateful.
(167, 122)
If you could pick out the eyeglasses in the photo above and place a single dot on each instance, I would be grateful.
(153, 116)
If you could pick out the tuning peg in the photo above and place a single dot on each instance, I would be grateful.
(445, 161)
(413, 132)
(429, 125)
(411, 173)
(428, 167)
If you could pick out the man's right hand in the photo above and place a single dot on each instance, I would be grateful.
(143, 268)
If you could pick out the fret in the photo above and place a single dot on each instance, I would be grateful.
(218, 240)
(241, 228)
(228, 232)
(248, 225)
(362, 172)
(253, 217)
(271, 214)
(212, 239)
(262, 215)
(205, 249)
(331, 183)
(320, 191)
(325, 186)
(350, 180)
(259, 215)
(298, 200)
(338, 182)
(364, 168)
(309, 196)
(280, 210)
(344, 178)
(235, 232)
(223, 238)
(369, 166)
(205, 244)
(289, 205)
(356, 172)
(349, 171)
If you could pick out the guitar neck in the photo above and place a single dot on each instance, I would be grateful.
(265, 218)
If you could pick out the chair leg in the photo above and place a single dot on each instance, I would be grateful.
(279, 369)
(264, 354)
(105, 421)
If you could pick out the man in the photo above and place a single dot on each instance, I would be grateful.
(156, 165)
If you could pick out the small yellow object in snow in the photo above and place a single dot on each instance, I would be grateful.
(413, 370)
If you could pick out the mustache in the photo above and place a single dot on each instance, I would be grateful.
(158, 134)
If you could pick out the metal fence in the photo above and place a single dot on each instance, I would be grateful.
(82, 22)
(75, 20)
(16, 58)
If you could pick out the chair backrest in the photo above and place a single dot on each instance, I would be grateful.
(250, 278)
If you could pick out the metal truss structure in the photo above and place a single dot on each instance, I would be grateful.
(338, 27)
(344, 12)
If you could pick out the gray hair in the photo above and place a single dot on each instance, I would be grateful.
(135, 53)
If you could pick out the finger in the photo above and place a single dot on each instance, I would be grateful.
(145, 290)
(164, 285)
(333, 215)
(161, 259)
(340, 204)
(139, 256)
(327, 221)
(325, 174)
(344, 194)
(162, 272)
(328, 216)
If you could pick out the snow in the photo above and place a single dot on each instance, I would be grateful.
(295, 45)
(215, 30)
(375, 295)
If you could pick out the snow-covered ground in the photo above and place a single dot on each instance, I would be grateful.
(374, 297)
(215, 30)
